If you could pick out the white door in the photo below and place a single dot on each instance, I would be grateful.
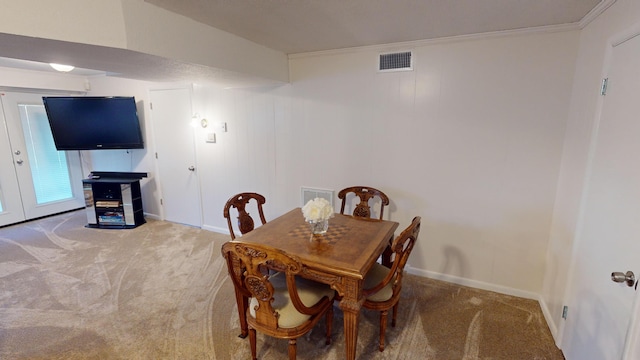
(36, 179)
(609, 240)
(175, 152)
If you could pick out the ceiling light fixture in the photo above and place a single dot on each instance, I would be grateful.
(62, 68)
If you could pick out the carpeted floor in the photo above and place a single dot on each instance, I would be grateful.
(161, 291)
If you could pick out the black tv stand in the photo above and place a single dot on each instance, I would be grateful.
(117, 175)
(113, 200)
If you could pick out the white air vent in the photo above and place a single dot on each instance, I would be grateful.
(311, 193)
(400, 61)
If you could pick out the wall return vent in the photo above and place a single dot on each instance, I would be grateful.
(312, 193)
(400, 61)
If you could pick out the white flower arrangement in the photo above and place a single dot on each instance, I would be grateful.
(317, 210)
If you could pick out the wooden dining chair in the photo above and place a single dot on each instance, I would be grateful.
(281, 304)
(245, 222)
(363, 209)
(382, 285)
(364, 194)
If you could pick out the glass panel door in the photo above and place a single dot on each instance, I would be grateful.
(49, 170)
(49, 181)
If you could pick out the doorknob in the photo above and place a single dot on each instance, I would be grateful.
(19, 162)
(17, 152)
(191, 168)
(629, 277)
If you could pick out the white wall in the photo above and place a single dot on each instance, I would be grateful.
(23, 79)
(66, 20)
(147, 32)
(471, 140)
(583, 113)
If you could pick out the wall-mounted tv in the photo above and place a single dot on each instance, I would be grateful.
(93, 123)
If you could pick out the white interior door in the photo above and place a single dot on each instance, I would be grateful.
(37, 180)
(600, 310)
(175, 152)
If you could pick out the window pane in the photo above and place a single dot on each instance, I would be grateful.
(51, 179)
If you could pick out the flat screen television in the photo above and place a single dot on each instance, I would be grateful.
(93, 123)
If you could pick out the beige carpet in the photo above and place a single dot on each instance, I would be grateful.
(161, 291)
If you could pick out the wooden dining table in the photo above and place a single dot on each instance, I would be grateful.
(340, 258)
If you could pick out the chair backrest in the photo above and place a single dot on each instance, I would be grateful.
(245, 221)
(364, 193)
(256, 283)
(401, 249)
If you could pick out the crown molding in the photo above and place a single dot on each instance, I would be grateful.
(442, 40)
(595, 12)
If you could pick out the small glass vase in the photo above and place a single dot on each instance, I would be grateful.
(319, 227)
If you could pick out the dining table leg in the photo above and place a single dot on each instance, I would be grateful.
(386, 255)
(350, 305)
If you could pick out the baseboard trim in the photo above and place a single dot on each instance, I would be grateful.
(216, 229)
(474, 283)
(550, 323)
(152, 216)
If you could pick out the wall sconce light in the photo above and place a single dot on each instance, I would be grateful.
(204, 123)
(194, 120)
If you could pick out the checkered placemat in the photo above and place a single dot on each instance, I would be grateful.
(333, 234)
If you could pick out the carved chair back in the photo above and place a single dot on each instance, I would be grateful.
(364, 194)
(239, 202)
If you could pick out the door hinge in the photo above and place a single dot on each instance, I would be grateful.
(151, 106)
(603, 87)
(156, 155)
(161, 203)
(565, 310)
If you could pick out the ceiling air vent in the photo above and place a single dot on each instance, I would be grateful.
(395, 61)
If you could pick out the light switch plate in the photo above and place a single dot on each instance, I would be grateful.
(211, 137)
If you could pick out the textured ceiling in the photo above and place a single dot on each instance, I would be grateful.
(297, 26)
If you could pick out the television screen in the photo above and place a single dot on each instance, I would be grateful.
(93, 123)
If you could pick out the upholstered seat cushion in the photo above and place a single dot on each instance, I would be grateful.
(374, 277)
(310, 293)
